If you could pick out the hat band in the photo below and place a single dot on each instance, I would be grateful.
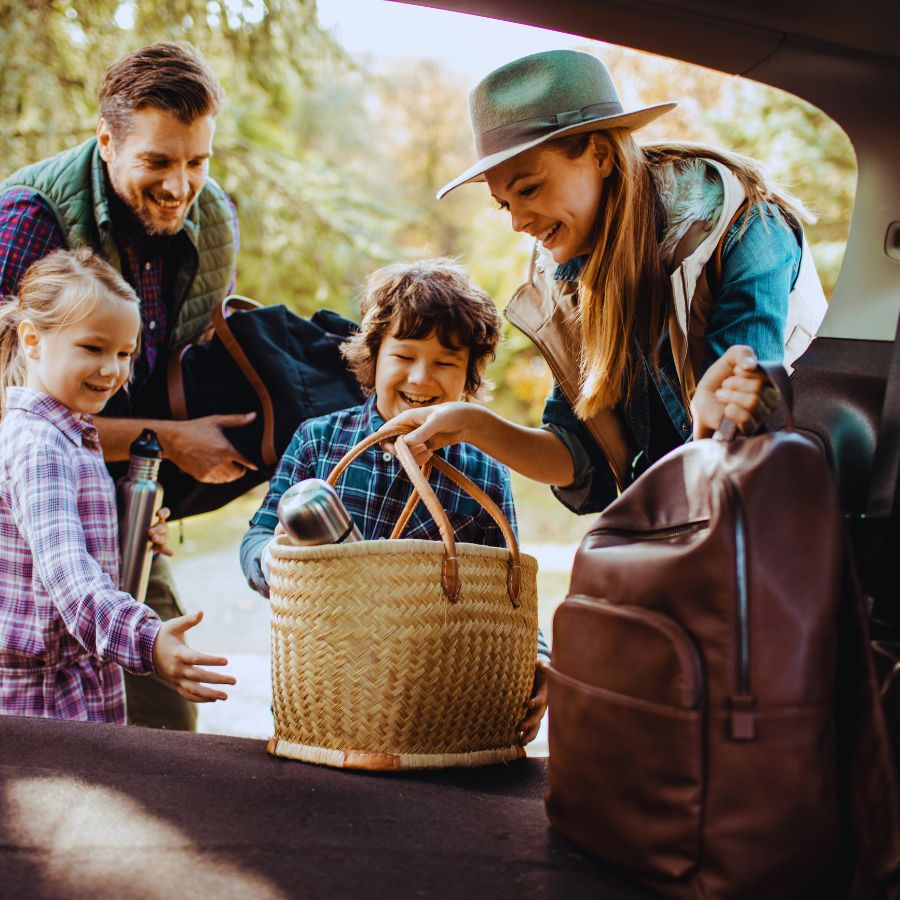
(504, 137)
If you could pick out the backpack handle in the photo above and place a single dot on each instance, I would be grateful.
(778, 378)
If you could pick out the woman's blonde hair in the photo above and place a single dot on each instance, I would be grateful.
(624, 290)
(55, 292)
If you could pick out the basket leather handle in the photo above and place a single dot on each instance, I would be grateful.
(410, 507)
(450, 566)
(423, 490)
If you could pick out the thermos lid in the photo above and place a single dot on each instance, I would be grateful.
(312, 513)
(147, 445)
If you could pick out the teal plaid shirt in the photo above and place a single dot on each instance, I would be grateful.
(374, 487)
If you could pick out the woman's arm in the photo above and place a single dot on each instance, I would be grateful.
(533, 452)
(759, 268)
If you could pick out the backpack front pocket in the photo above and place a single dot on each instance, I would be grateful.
(626, 736)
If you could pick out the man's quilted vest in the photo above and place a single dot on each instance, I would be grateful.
(72, 184)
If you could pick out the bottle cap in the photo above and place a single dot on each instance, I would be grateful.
(312, 513)
(147, 445)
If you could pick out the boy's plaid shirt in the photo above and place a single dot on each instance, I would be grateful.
(64, 626)
(374, 488)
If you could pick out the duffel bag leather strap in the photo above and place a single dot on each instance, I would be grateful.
(219, 326)
(229, 341)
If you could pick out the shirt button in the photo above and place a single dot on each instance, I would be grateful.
(146, 266)
(386, 456)
(152, 326)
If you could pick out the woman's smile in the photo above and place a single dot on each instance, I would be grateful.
(551, 196)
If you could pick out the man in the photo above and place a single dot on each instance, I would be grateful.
(139, 194)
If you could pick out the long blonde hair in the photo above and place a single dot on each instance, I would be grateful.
(55, 292)
(624, 290)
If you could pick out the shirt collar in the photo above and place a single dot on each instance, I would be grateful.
(80, 431)
(571, 270)
(371, 419)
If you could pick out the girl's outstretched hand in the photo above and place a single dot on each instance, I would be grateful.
(735, 388)
(158, 533)
(178, 663)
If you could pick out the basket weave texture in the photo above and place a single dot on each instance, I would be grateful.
(374, 667)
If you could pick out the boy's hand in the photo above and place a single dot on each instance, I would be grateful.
(435, 427)
(733, 387)
(158, 534)
(177, 662)
(536, 706)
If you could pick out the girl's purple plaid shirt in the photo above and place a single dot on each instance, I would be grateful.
(65, 628)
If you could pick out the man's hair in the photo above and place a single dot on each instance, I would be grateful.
(418, 299)
(172, 77)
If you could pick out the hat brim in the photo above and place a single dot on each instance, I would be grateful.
(632, 120)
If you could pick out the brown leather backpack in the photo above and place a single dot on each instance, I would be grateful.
(715, 728)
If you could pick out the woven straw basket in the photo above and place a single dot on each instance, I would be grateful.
(402, 654)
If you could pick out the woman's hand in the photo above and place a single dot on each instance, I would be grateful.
(158, 534)
(536, 706)
(436, 426)
(735, 388)
(178, 663)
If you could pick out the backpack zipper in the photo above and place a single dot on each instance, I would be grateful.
(742, 719)
(654, 534)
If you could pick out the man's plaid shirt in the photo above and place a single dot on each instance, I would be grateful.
(29, 231)
(374, 487)
(65, 628)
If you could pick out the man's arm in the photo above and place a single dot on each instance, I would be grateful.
(29, 231)
(197, 446)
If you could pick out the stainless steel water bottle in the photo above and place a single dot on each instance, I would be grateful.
(311, 512)
(140, 497)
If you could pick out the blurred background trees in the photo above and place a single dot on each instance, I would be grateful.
(333, 163)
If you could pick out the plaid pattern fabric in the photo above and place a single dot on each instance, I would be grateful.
(64, 627)
(29, 231)
(374, 487)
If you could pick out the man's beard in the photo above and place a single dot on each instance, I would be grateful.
(145, 218)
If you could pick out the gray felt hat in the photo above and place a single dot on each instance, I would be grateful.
(540, 97)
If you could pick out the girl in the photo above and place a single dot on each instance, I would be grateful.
(656, 259)
(66, 346)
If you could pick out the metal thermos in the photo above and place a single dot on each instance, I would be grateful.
(140, 497)
(312, 513)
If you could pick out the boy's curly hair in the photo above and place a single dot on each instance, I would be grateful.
(418, 299)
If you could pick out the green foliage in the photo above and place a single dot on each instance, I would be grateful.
(333, 164)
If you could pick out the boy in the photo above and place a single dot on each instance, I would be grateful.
(427, 335)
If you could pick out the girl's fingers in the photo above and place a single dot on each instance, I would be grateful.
(195, 674)
(200, 694)
(196, 658)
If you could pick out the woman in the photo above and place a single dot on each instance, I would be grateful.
(665, 256)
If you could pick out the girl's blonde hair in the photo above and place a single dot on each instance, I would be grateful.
(624, 290)
(55, 292)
